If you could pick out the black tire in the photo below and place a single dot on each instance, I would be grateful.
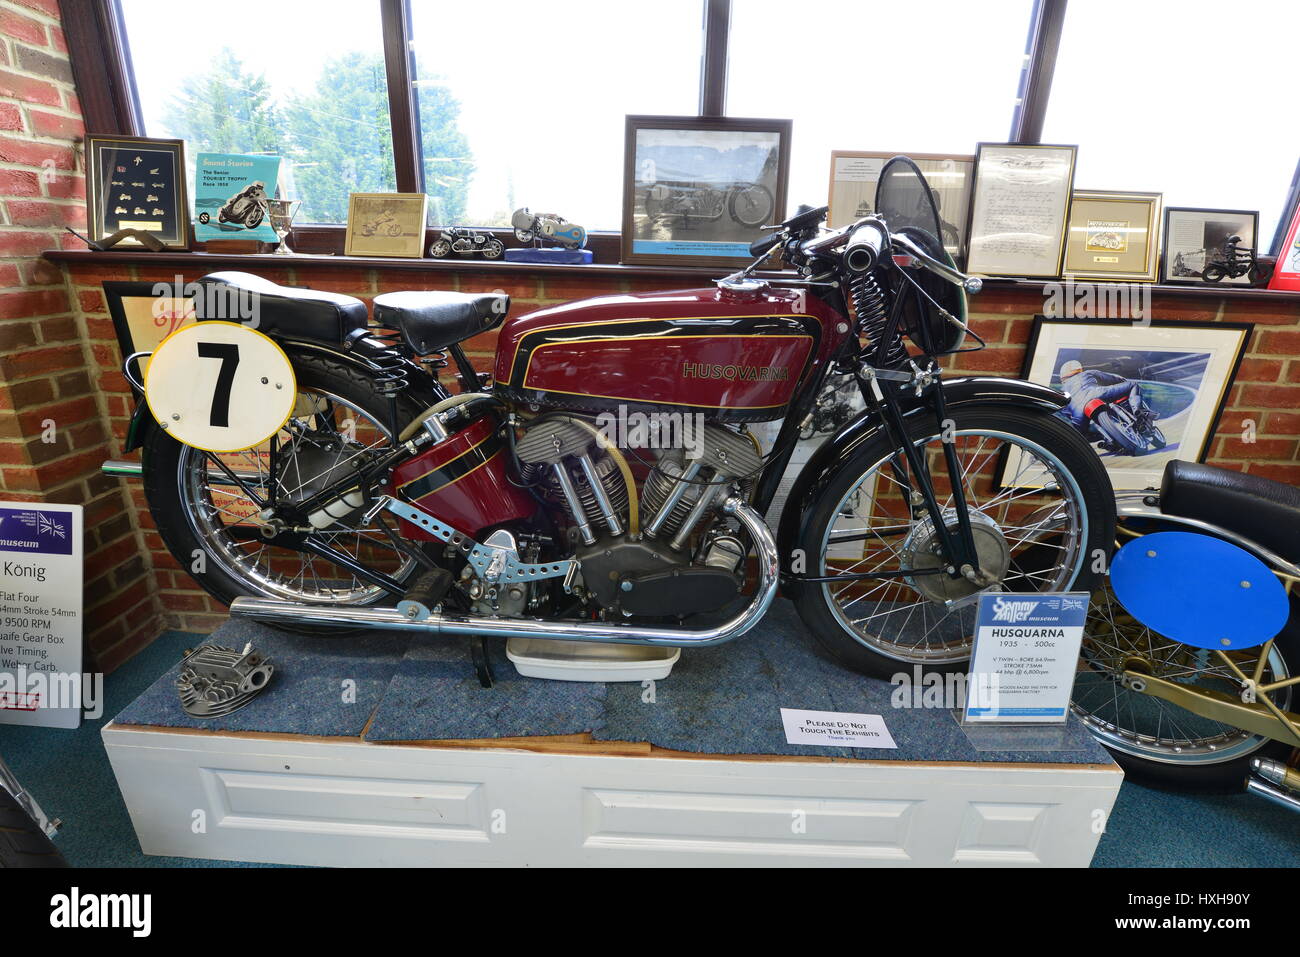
(162, 460)
(493, 249)
(765, 202)
(254, 218)
(440, 249)
(1213, 273)
(22, 843)
(1047, 430)
(1119, 433)
(1227, 777)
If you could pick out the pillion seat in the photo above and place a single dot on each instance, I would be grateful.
(1262, 510)
(291, 312)
(430, 321)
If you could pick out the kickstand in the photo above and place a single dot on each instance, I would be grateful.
(482, 666)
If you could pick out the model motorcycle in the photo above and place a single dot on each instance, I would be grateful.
(603, 483)
(749, 204)
(1190, 717)
(1235, 263)
(466, 242)
(246, 208)
(1123, 432)
(547, 227)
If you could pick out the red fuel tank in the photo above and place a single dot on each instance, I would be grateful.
(462, 481)
(731, 356)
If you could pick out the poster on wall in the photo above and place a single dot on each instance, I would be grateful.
(230, 196)
(1140, 395)
(1286, 273)
(40, 614)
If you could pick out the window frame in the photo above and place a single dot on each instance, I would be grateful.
(101, 66)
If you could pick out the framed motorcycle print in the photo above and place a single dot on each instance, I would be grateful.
(1209, 245)
(1141, 396)
(386, 224)
(855, 176)
(1113, 236)
(137, 183)
(1020, 203)
(699, 190)
(1286, 273)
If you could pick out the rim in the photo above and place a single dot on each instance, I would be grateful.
(1144, 725)
(1045, 529)
(223, 517)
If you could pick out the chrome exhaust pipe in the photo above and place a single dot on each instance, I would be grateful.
(1274, 781)
(389, 619)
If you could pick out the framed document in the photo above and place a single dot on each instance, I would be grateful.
(1196, 238)
(137, 183)
(699, 190)
(1020, 201)
(1141, 396)
(1113, 236)
(855, 175)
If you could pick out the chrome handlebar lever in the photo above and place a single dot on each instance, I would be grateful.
(971, 284)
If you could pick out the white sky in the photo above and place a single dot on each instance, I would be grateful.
(1189, 98)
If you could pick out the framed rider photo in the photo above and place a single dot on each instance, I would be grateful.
(137, 183)
(1195, 239)
(1020, 204)
(1141, 396)
(699, 190)
(1113, 236)
(855, 176)
(386, 224)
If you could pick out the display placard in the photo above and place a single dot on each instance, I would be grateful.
(40, 614)
(1026, 653)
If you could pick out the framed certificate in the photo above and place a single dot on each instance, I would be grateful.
(1020, 202)
(1196, 238)
(856, 174)
(137, 183)
(1113, 236)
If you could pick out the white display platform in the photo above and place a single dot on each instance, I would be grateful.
(571, 802)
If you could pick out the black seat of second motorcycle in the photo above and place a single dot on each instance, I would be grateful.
(1260, 509)
(430, 321)
(288, 310)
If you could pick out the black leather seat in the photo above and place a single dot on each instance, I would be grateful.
(430, 321)
(287, 310)
(1257, 508)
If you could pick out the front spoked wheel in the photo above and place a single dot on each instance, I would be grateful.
(213, 525)
(1042, 518)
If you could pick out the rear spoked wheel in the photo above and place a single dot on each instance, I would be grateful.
(1042, 517)
(211, 523)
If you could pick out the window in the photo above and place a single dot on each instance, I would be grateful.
(934, 77)
(1194, 104)
(521, 103)
(303, 79)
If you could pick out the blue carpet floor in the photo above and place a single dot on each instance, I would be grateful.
(69, 773)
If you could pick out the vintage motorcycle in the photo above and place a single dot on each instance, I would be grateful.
(246, 208)
(556, 498)
(749, 204)
(1119, 430)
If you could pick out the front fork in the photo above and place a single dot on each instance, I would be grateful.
(958, 543)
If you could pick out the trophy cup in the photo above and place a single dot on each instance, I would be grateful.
(282, 213)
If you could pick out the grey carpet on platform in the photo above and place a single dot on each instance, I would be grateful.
(723, 700)
(322, 686)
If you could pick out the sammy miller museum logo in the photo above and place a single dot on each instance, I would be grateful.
(1013, 611)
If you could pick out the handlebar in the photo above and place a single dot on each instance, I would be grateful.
(862, 251)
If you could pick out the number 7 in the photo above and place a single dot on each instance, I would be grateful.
(228, 353)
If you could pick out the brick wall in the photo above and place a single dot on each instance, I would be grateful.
(53, 418)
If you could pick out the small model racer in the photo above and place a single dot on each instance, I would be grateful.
(466, 242)
(547, 226)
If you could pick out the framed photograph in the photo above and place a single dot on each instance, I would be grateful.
(137, 183)
(1195, 238)
(386, 224)
(1140, 395)
(1020, 204)
(1286, 272)
(699, 190)
(1113, 236)
(142, 319)
(855, 176)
